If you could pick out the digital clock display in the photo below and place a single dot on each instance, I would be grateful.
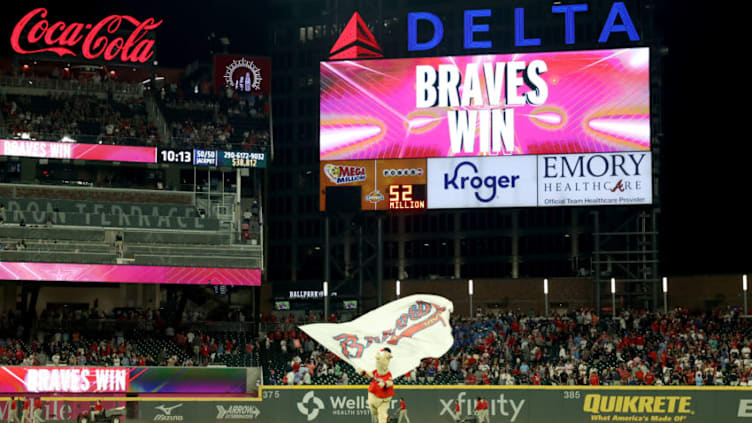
(407, 196)
(175, 156)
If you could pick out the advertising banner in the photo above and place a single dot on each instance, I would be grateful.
(58, 411)
(506, 404)
(100, 380)
(69, 150)
(227, 158)
(595, 179)
(474, 182)
(121, 273)
(386, 184)
(528, 404)
(529, 103)
(199, 411)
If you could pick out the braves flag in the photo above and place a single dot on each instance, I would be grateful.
(413, 328)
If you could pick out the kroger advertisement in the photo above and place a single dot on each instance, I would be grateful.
(482, 182)
(593, 101)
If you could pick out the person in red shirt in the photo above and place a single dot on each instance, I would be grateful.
(471, 379)
(536, 378)
(403, 411)
(595, 380)
(457, 415)
(98, 409)
(649, 378)
(38, 410)
(485, 410)
(479, 410)
(12, 411)
(26, 410)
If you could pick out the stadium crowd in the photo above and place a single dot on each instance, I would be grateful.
(79, 118)
(122, 338)
(636, 348)
(224, 121)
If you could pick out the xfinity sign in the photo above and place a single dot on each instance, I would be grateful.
(595, 179)
(470, 182)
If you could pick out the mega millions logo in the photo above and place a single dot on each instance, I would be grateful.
(339, 174)
(243, 75)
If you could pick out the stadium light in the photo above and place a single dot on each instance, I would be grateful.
(665, 295)
(470, 295)
(545, 294)
(744, 287)
(397, 288)
(326, 300)
(613, 298)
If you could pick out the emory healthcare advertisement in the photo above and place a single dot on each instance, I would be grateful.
(594, 101)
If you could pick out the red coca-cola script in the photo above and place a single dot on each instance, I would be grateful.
(96, 40)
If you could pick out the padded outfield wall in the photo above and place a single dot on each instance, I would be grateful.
(517, 404)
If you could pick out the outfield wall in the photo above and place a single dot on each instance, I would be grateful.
(517, 404)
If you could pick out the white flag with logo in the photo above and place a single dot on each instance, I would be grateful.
(413, 328)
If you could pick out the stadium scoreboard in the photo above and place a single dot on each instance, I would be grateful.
(533, 129)
(199, 157)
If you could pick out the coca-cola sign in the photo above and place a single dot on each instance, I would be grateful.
(96, 40)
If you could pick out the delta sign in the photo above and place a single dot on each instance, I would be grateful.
(357, 42)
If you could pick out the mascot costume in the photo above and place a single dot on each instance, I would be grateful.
(381, 389)
(412, 328)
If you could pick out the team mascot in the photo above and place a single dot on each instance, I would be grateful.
(381, 389)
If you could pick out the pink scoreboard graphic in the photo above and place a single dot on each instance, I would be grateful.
(592, 101)
(66, 150)
(71, 272)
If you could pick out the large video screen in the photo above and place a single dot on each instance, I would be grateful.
(595, 101)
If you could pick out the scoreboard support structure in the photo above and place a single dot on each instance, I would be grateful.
(362, 231)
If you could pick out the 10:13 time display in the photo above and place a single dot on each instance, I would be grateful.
(176, 156)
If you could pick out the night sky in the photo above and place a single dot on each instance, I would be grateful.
(706, 175)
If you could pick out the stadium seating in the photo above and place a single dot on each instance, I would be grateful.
(637, 348)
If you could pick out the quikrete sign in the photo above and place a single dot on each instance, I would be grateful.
(102, 40)
(476, 22)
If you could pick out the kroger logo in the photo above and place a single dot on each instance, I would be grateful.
(466, 177)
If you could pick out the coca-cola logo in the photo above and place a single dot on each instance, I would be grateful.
(96, 40)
